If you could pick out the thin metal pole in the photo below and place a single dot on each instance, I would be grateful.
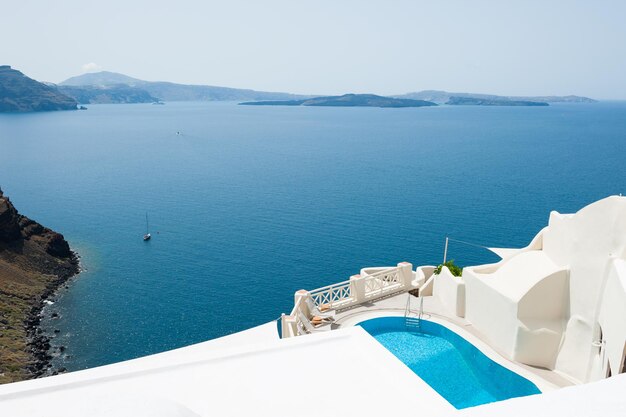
(407, 308)
(445, 251)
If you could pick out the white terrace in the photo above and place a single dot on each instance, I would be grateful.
(554, 312)
(558, 304)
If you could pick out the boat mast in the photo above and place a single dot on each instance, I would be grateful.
(147, 224)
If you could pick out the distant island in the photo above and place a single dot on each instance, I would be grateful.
(475, 101)
(34, 262)
(347, 100)
(443, 97)
(18, 93)
(109, 94)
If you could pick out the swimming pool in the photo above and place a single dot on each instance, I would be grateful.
(451, 365)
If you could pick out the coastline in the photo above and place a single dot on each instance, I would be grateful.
(35, 262)
(37, 341)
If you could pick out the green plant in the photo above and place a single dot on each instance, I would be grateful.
(454, 268)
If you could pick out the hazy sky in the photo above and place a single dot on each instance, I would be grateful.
(328, 47)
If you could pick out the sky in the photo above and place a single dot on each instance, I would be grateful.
(328, 46)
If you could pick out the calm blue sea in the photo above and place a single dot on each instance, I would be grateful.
(249, 204)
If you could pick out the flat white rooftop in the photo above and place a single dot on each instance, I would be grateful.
(331, 373)
(253, 373)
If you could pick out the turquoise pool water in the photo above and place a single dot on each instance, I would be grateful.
(451, 365)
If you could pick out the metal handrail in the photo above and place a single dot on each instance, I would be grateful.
(407, 308)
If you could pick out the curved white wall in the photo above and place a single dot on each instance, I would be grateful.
(451, 291)
(586, 242)
(611, 318)
(545, 304)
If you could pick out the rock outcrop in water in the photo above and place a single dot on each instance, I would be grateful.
(18, 93)
(34, 262)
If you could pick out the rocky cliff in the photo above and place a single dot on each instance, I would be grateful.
(18, 93)
(34, 262)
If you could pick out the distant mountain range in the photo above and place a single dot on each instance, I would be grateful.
(119, 93)
(102, 79)
(443, 97)
(111, 87)
(347, 100)
(18, 93)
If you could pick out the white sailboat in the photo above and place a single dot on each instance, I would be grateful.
(147, 236)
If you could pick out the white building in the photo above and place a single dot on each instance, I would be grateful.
(560, 302)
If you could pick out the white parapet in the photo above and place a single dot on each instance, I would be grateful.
(450, 290)
(357, 288)
(371, 284)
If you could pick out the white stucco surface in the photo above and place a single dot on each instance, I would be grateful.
(612, 317)
(451, 291)
(523, 271)
(504, 252)
(331, 373)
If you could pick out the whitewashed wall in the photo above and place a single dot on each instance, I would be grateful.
(554, 319)
(451, 292)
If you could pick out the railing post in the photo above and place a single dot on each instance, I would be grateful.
(405, 271)
(302, 294)
(357, 283)
(288, 326)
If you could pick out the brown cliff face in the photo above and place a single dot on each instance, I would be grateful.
(9, 221)
(15, 227)
(34, 262)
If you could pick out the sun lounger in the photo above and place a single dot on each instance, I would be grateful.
(308, 327)
(326, 315)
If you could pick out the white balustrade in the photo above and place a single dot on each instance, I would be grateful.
(382, 283)
(332, 296)
(371, 284)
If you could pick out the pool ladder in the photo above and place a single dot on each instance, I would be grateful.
(412, 322)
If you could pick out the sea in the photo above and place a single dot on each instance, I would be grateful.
(247, 204)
